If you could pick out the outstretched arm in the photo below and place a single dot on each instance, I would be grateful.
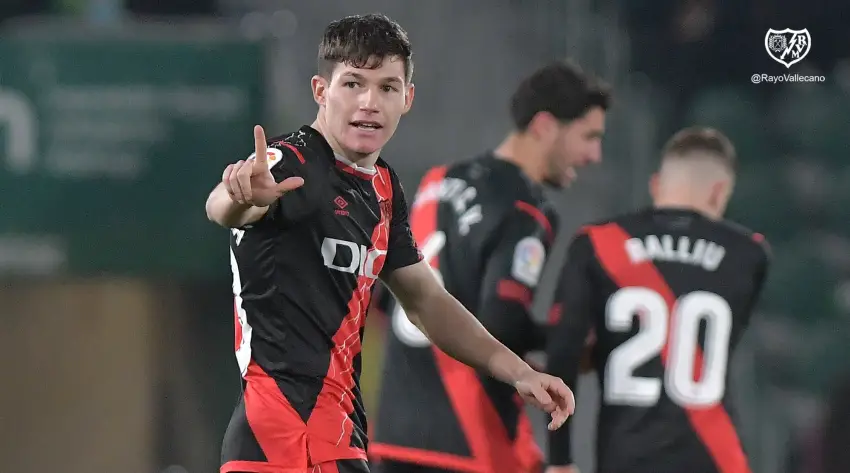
(452, 328)
(457, 332)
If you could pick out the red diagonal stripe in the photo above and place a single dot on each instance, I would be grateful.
(712, 425)
(423, 217)
(330, 417)
(487, 437)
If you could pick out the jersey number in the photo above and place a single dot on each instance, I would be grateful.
(682, 328)
(404, 329)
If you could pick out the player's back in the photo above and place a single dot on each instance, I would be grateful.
(429, 402)
(672, 292)
(474, 202)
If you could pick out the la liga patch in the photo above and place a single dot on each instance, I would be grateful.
(528, 261)
(273, 156)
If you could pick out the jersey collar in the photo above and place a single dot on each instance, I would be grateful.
(340, 162)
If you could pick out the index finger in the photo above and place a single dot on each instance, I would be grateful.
(260, 145)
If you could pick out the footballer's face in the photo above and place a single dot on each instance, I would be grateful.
(576, 144)
(362, 106)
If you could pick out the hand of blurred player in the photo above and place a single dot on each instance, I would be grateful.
(548, 393)
(562, 469)
(251, 181)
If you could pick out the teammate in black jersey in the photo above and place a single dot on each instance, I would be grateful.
(485, 226)
(316, 218)
(668, 291)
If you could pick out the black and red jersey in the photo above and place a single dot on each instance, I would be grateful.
(668, 293)
(486, 230)
(303, 277)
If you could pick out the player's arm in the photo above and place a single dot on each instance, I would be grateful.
(566, 342)
(455, 330)
(252, 188)
(511, 274)
(225, 211)
(450, 326)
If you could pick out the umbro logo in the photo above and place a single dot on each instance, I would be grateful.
(341, 204)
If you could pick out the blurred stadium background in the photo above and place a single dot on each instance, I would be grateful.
(117, 116)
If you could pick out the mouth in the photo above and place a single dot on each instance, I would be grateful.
(366, 125)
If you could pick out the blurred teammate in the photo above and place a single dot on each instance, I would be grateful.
(668, 291)
(484, 225)
(316, 218)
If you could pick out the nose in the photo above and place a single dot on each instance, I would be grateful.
(369, 100)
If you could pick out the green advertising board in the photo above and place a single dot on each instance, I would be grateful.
(108, 148)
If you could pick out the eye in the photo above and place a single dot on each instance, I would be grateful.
(388, 88)
(350, 84)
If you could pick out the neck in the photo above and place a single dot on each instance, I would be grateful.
(688, 203)
(520, 151)
(363, 160)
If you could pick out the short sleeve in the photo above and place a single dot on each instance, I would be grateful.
(402, 249)
(509, 282)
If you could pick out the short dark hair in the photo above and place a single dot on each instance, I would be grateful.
(699, 139)
(364, 41)
(560, 88)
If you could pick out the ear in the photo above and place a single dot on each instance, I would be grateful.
(719, 195)
(409, 92)
(320, 88)
(543, 126)
(654, 185)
